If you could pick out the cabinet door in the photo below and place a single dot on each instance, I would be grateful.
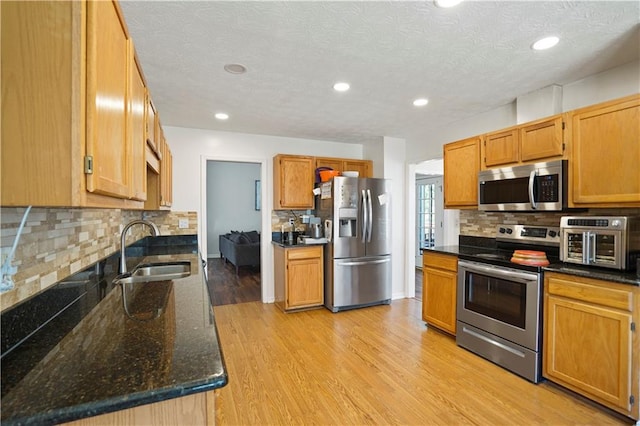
(605, 154)
(501, 148)
(439, 298)
(363, 167)
(166, 173)
(461, 167)
(588, 349)
(151, 124)
(542, 139)
(333, 163)
(107, 72)
(304, 278)
(293, 182)
(137, 132)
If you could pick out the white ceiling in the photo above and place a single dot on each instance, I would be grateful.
(466, 60)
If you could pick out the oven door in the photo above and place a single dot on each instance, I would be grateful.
(502, 301)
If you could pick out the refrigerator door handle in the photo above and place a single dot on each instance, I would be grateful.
(365, 216)
(365, 262)
(370, 221)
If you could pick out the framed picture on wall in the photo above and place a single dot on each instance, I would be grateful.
(258, 200)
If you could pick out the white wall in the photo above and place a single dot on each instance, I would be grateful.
(231, 200)
(394, 169)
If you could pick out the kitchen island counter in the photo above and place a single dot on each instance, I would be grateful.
(103, 352)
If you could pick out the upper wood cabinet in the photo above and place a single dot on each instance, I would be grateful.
(605, 158)
(137, 130)
(66, 105)
(293, 180)
(151, 124)
(363, 167)
(166, 174)
(540, 140)
(589, 343)
(461, 167)
(108, 65)
(501, 148)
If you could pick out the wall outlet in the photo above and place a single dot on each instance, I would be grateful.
(291, 221)
(183, 223)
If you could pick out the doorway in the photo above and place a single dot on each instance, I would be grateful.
(233, 205)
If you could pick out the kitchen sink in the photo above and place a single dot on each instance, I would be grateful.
(149, 272)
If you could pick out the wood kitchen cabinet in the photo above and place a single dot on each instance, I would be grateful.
(363, 167)
(66, 105)
(293, 180)
(536, 141)
(501, 148)
(138, 129)
(590, 345)
(542, 140)
(166, 173)
(439, 290)
(194, 409)
(152, 124)
(605, 154)
(461, 167)
(299, 277)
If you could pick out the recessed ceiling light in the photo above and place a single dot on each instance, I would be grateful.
(447, 3)
(545, 43)
(341, 87)
(221, 116)
(235, 68)
(420, 102)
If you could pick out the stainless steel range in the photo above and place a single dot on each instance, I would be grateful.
(499, 309)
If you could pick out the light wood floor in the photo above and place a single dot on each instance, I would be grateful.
(378, 365)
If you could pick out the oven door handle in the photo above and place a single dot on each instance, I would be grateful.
(498, 272)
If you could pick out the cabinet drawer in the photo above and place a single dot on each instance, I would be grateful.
(590, 290)
(440, 261)
(304, 252)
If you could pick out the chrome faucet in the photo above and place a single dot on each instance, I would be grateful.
(154, 231)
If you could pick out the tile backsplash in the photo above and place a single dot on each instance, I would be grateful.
(483, 224)
(57, 242)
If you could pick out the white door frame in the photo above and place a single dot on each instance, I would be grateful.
(266, 252)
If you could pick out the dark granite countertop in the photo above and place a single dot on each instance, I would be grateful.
(622, 277)
(93, 356)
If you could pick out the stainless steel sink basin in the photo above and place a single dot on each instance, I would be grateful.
(149, 272)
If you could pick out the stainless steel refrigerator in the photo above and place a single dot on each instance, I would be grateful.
(356, 213)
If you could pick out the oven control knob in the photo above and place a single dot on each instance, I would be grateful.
(552, 234)
(509, 231)
(615, 223)
(502, 230)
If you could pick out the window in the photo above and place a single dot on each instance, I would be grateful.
(426, 215)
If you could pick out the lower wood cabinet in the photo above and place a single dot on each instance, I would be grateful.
(439, 283)
(590, 345)
(195, 409)
(299, 277)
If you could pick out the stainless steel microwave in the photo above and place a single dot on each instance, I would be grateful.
(531, 187)
(605, 241)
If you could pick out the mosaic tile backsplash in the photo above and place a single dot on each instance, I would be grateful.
(483, 224)
(55, 242)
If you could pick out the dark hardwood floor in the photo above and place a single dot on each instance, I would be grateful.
(227, 288)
